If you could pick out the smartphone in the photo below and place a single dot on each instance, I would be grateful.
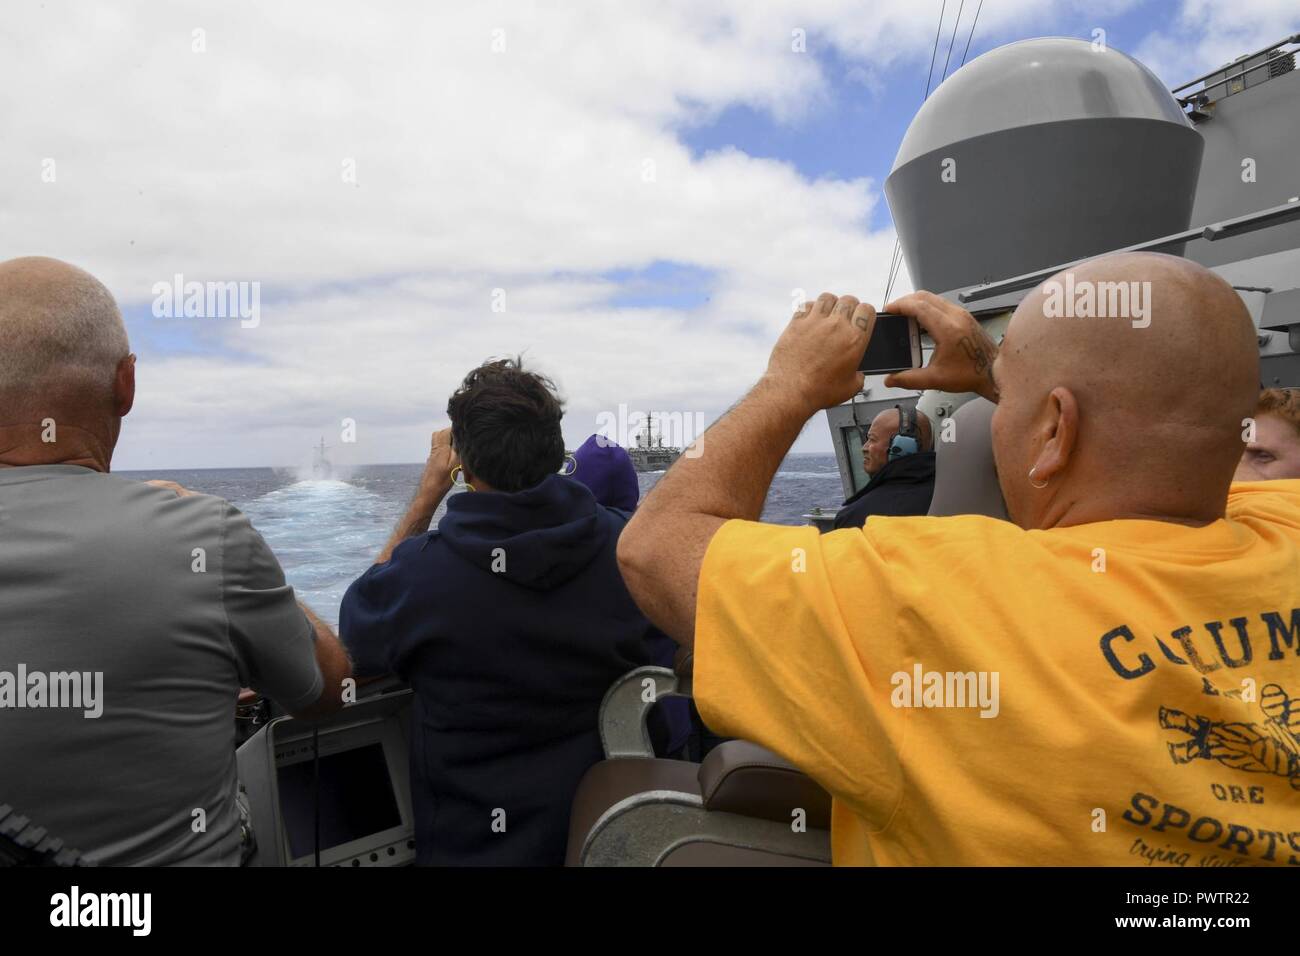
(895, 345)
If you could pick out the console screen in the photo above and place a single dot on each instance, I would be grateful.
(356, 799)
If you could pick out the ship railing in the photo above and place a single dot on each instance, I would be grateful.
(1230, 73)
(1229, 228)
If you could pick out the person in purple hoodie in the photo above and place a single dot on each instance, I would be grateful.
(510, 621)
(606, 468)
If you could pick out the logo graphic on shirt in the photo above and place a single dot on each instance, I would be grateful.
(1269, 747)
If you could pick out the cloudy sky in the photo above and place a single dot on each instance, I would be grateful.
(627, 193)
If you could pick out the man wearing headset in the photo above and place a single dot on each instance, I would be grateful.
(899, 458)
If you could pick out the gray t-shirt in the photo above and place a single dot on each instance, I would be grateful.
(177, 603)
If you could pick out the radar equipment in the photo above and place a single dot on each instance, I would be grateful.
(1060, 152)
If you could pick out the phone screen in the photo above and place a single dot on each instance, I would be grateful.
(890, 348)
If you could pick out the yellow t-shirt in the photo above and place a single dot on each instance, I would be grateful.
(1117, 693)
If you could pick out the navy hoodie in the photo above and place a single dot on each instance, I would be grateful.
(903, 487)
(510, 622)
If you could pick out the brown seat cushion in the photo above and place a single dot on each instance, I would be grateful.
(744, 778)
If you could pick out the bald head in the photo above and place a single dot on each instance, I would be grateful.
(61, 335)
(1123, 385)
(63, 355)
(875, 446)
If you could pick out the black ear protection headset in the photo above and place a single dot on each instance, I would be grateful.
(907, 441)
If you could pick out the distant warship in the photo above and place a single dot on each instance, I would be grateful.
(648, 452)
(321, 467)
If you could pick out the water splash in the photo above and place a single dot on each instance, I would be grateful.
(326, 532)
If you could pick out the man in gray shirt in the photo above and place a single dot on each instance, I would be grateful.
(131, 613)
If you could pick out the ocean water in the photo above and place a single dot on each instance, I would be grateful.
(327, 532)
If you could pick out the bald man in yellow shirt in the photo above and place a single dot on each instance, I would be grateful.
(1110, 678)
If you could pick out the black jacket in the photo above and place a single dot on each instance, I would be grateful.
(510, 622)
(903, 487)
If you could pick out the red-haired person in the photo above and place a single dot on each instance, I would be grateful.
(1275, 450)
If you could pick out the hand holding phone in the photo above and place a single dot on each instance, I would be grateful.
(895, 345)
(814, 361)
(963, 352)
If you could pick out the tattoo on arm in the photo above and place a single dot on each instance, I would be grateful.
(975, 353)
(979, 348)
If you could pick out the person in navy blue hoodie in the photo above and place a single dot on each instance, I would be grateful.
(510, 621)
(606, 469)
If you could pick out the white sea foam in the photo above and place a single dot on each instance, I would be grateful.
(325, 532)
(328, 531)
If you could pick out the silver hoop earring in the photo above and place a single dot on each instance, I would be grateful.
(1032, 483)
(565, 470)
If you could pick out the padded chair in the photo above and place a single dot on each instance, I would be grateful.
(965, 480)
(743, 806)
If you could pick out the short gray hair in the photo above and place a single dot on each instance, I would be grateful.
(61, 334)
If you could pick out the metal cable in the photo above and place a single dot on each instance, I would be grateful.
(971, 34)
(935, 52)
(896, 260)
(952, 41)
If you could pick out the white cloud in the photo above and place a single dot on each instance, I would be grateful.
(522, 169)
(1204, 35)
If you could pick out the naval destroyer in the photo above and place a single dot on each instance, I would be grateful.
(320, 467)
(648, 451)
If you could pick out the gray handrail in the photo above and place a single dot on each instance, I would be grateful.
(1228, 228)
(623, 712)
(1294, 38)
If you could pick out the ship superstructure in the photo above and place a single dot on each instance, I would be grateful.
(320, 466)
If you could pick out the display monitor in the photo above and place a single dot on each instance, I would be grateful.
(356, 799)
